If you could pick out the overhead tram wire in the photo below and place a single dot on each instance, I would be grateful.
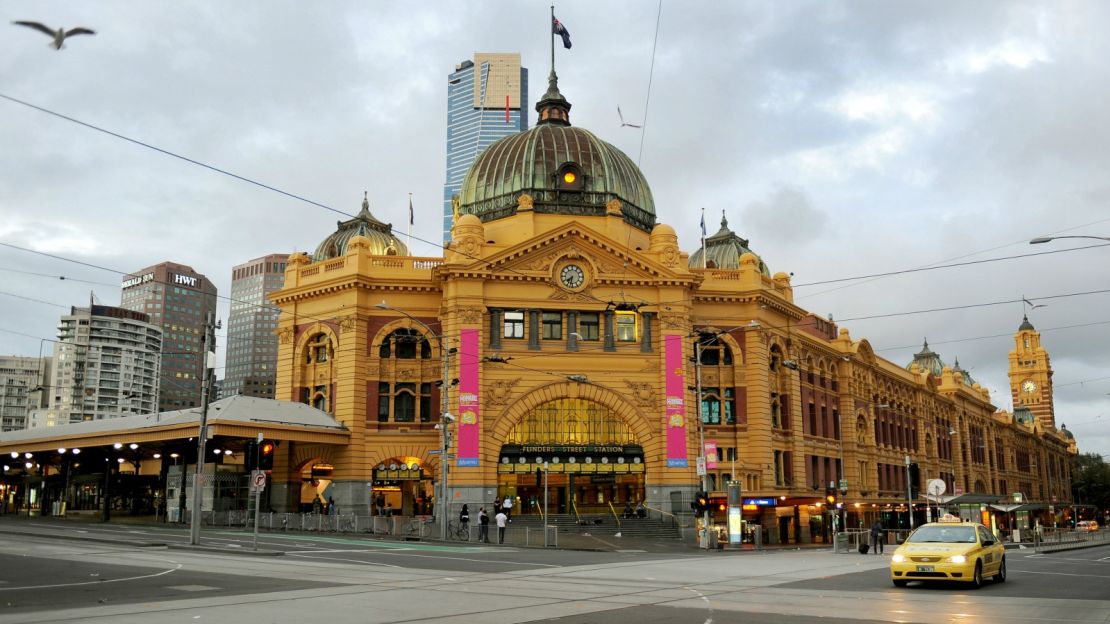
(643, 132)
(237, 177)
(436, 244)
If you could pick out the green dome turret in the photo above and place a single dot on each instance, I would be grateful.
(380, 235)
(723, 251)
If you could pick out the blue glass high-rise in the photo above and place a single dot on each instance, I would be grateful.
(487, 100)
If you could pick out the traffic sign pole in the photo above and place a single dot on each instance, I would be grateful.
(258, 483)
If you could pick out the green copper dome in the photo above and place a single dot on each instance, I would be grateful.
(723, 251)
(928, 361)
(535, 163)
(380, 235)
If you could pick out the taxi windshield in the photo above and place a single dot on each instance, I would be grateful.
(944, 534)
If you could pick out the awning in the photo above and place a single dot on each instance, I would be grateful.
(1022, 507)
(974, 498)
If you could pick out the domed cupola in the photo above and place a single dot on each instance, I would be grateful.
(723, 251)
(380, 235)
(563, 169)
(928, 361)
(968, 381)
(1025, 324)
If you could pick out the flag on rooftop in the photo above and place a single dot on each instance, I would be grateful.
(558, 28)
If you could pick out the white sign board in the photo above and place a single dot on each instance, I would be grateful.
(701, 466)
(258, 480)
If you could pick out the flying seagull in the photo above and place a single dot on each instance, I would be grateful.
(625, 123)
(58, 35)
(1032, 306)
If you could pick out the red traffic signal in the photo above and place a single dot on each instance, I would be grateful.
(266, 455)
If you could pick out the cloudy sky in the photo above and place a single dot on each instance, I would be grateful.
(842, 138)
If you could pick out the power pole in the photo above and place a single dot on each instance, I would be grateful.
(210, 327)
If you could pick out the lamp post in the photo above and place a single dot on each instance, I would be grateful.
(210, 327)
(1045, 239)
(445, 418)
(702, 464)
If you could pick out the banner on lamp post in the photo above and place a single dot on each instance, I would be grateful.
(468, 429)
(676, 403)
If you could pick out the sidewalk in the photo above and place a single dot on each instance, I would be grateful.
(589, 541)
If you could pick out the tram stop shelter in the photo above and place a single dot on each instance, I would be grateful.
(142, 465)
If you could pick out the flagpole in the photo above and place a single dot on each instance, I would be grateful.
(551, 27)
(703, 249)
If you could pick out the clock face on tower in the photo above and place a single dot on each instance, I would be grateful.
(1029, 386)
(572, 276)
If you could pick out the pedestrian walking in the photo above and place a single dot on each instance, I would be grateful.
(464, 521)
(502, 520)
(483, 525)
(332, 509)
(317, 504)
(507, 508)
(380, 504)
(877, 538)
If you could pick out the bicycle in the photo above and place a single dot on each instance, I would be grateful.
(346, 524)
(418, 528)
(458, 530)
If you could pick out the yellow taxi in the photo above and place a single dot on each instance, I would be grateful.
(949, 550)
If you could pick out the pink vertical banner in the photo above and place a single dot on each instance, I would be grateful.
(711, 454)
(468, 398)
(676, 402)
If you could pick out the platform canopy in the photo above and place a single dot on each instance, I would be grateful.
(233, 417)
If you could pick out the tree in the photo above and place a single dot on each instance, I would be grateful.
(1090, 481)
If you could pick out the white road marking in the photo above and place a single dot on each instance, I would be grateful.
(358, 561)
(119, 580)
(1061, 574)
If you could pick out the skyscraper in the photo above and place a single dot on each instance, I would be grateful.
(24, 386)
(487, 100)
(251, 341)
(178, 299)
(105, 365)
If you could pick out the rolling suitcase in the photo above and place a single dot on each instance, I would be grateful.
(864, 547)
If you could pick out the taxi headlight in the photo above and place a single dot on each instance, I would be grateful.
(898, 558)
(957, 559)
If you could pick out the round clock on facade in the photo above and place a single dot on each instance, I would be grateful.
(572, 276)
(1029, 386)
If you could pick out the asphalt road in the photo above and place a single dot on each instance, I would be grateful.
(1073, 574)
(115, 574)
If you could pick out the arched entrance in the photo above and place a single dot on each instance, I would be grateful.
(593, 461)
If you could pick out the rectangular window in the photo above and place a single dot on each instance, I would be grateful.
(425, 402)
(730, 406)
(626, 326)
(404, 403)
(383, 402)
(514, 324)
(552, 325)
(710, 406)
(778, 468)
(589, 324)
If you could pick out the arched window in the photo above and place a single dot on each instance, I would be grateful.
(318, 350)
(404, 344)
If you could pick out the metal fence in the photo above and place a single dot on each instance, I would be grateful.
(415, 528)
(1050, 540)
(850, 540)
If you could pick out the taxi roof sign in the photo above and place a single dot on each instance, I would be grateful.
(950, 518)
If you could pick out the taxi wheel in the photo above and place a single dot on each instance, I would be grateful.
(977, 578)
(1001, 576)
(899, 582)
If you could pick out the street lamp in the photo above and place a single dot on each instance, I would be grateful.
(1044, 239)
(445, 418)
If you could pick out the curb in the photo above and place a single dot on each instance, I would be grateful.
(228, 551)
(82, 538)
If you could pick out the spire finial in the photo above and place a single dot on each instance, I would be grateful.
(365, 201)
(724, 221)
(926, 344)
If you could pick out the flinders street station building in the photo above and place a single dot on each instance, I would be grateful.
(564, 337)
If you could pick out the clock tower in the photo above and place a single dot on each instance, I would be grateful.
(1031, 375)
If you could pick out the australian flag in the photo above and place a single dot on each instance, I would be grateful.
(558, 28)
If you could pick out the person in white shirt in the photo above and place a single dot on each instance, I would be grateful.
(502, 520)
(507, 507)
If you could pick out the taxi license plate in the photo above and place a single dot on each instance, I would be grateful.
(925, 568)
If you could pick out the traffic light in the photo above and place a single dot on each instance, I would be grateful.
(830, 497)
(250, 456)
(915, 481)
(700, 503)
(265, 455)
